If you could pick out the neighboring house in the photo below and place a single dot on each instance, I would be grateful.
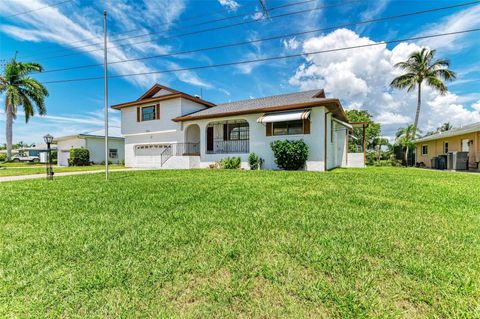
(39, 150)
(464, 139)
(166, 128)
(95, 143)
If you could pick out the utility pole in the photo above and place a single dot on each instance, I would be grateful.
(105, 88)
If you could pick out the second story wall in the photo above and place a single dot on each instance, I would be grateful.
(136, 120)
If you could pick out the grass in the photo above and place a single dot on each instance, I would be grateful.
(40, 169)
(378, 242)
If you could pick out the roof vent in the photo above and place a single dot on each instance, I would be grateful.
(197, 96)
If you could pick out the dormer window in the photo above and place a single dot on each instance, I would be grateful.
(148, 113)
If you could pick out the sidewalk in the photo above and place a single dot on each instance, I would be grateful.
(36, 176)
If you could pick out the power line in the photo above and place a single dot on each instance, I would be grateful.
(33, 10)
(246, 14)
(266, 39)
(266, 59)
(199, 31)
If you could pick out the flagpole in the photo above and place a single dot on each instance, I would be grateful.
(105, 89)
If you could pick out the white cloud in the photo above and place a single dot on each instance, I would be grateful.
(189, 77)
(231, 5)
(361, 78)
(476, 106)
(291, 43)
(65, 25)
(463, 20)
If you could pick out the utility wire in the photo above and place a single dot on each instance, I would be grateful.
(198, 31)
(41, 8)
(187, 27)
(264, 39)
(266, 59)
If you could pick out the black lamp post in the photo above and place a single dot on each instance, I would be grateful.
(48, 140)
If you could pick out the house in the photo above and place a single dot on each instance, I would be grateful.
(166, 128)
(39, 150)
(95, 143)
(463, 139)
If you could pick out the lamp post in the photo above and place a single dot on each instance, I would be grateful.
(48, 140)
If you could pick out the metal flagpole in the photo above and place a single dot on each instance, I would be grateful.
(105, 81)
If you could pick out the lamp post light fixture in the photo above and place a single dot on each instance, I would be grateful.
(48, 140)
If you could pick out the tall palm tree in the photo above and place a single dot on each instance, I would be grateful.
(404, 137)
(420, 69)
(21, 90)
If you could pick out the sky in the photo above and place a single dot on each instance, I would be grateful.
(69, 34)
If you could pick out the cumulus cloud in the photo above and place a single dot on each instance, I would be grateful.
(231, 5)
(361, 78)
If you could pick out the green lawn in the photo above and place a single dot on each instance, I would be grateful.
(378, 242)
(11, 170)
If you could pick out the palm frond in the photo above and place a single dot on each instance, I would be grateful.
(408, 81)
(436, 84)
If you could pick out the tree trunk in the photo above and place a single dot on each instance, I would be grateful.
(417, 113)
(406, 156)
(8, 129)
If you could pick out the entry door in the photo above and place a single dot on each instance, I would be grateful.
(465, 146)
(210, 139)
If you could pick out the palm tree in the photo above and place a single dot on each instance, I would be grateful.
(420, 69)
(404, 137)
(21, 90)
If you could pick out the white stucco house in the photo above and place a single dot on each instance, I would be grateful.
(95, 143)
(165, 128)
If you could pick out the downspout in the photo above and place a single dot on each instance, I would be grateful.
(325, 144)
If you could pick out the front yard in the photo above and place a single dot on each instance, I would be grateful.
(378, 242)
(17, 169)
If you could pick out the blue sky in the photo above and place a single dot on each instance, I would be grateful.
(359, 78)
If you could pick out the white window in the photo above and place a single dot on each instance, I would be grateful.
(465, 145)
(113, 153)
(424, 149)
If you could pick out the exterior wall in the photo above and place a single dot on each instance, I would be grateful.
(96, 147)
(260, 143)
(436, 147)
(63, 149)
(162, 131)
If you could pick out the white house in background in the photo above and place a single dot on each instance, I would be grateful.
(166, 128)
(95, 143)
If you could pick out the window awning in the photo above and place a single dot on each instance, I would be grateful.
(284, 116)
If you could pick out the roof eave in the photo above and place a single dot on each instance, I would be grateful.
(337, 110)
(163, 98)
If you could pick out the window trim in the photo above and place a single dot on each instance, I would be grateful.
(115, 150)
(154, 113)
(426, 147)
(287, 127)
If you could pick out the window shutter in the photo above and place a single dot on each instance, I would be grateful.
(138, 114)
(306, 126)
(157, 111)
(269, 129)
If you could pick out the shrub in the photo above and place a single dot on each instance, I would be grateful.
(79, 157)
(230, 163)
(103, 163)
(290, 155)
(3, 157)
(255, 161)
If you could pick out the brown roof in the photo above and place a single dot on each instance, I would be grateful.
(271, 103)
(149, 97)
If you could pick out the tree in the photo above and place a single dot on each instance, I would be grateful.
(443, 128)
(21, 90)
(420, 69)
(404, 137)
(372, 132)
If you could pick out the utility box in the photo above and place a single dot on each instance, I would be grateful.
(457, 161)
(434, 162)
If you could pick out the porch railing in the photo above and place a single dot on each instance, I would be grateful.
(232, 147)
(179, 149)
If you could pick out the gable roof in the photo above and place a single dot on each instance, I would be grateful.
(280, 102)
(471, 128)
(155, 94)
